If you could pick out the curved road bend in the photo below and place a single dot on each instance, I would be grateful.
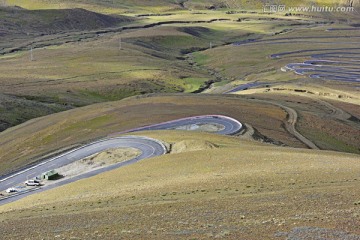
(328, 64)
(291, 123)
(231, 125)
(148, 147)
(339, 64)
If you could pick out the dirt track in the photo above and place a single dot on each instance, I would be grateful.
(290, 124)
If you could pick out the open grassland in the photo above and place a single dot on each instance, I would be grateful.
(236, 190)
(310, 98)
(17, 20)
(159, 6)
(252, 62)
(87, 72)
(23, 144)
(82, 67)
(21, 29)
(146, 54)
(14, 111)
(209, 186)
(109, 7)
(340, 125)
(32, 140)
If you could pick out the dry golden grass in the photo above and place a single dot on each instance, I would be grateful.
(258, 66)
(99, 160)
(339, 127)
(82, 68)
(240, 190)
(94, 67)
(309, 90)
(90, 66)
(25, 143)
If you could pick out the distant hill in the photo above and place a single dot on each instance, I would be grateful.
(15, 20)
(291, 3)
(117, 6)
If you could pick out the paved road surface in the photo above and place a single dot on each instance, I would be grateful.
(148, 147)
(337, 64)
(231, 126)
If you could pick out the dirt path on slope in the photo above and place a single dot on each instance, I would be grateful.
(290, 124)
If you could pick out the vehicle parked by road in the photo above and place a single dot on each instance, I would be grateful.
(11, 190)
(32, 182)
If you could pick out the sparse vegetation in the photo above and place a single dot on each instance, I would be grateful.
(239, 186)
(85, 66)
(96, 121)
(119, 65)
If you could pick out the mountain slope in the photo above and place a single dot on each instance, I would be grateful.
(163, 5)
(241, 190)
(19, 21)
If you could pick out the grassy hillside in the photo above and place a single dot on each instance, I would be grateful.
(113, 6)
(310, 97)
(74, 66)
(25, 143)
(20, 29)
(18, 110)
(29, 142)
(20, 21)
(85, 67)
(238, 190)
(84, 64)
(259, 66)
(133, 6)
(209, 186)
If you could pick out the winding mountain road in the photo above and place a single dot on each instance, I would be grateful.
(147, 146)
(231, 126)
(336, 64)
(330, 63)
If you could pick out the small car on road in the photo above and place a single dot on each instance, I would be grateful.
(32, 182)
(11, 190)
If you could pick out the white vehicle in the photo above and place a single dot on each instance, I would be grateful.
(11, 190)
(32, 182)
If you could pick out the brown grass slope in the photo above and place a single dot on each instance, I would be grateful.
(25, 143)
(166, 5)
(240, 190)
(17, 110)
(29, 142)
(14, 20)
